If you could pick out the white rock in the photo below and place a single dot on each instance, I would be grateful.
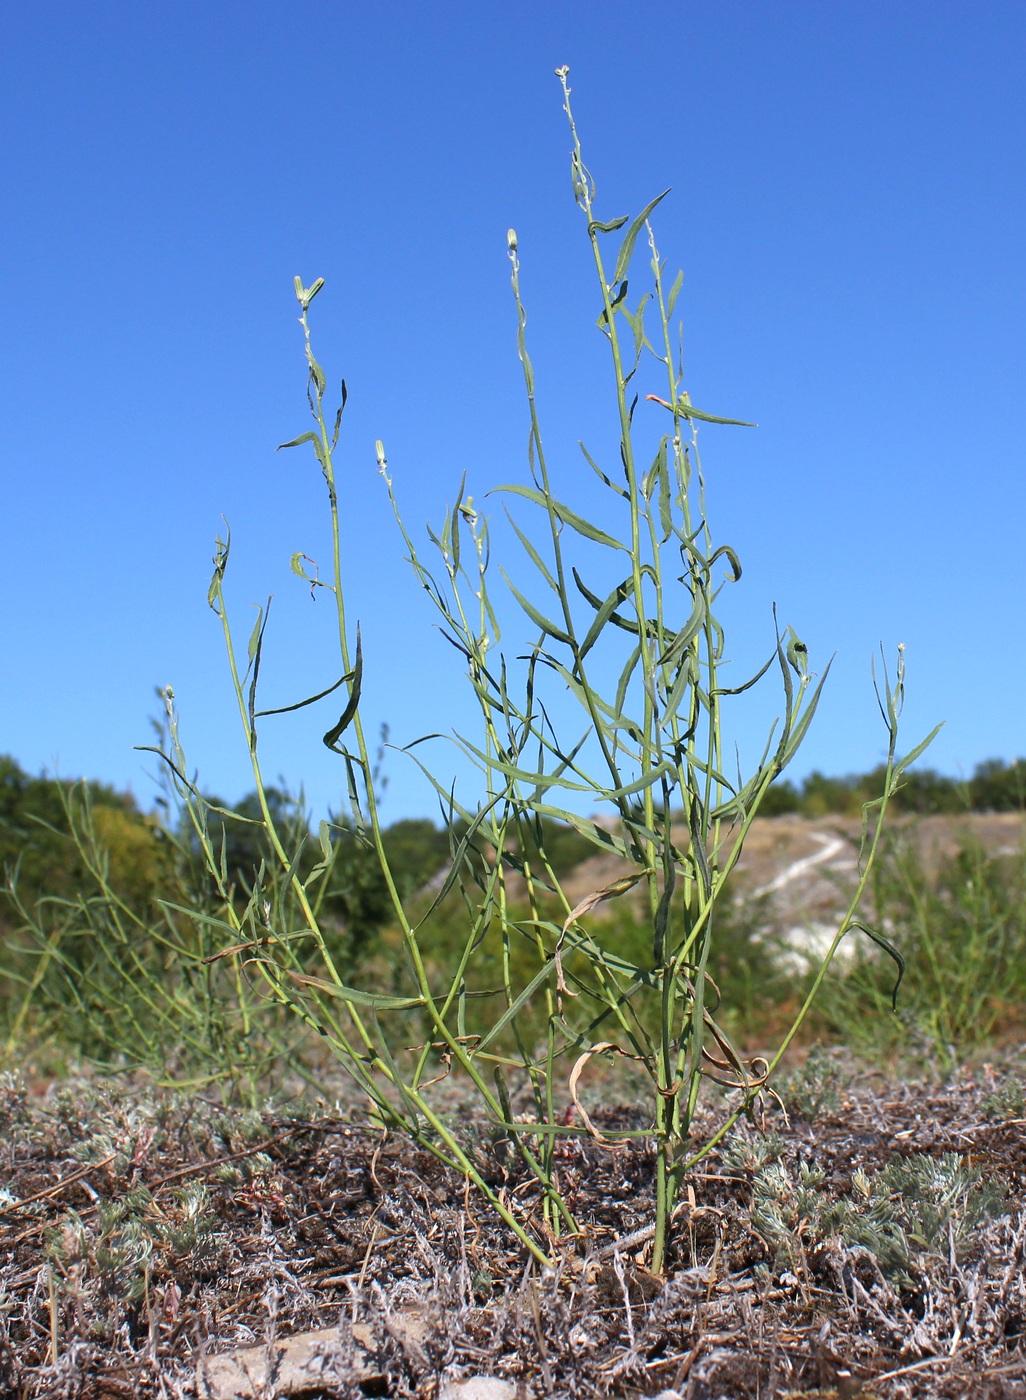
(482, 1388)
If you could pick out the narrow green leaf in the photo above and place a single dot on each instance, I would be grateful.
(584, 527)
(459, 856)
(311, 700)
(678, 282)
(587, 698)
(619, 595)
(256, 645)
(254, 636)
(540, 781)
(601, 474)
(206, 920)
(625, 623)
(316, 374)
(746, 685)
(631, 237)
(731, 557)
(640, 784)
(687, 633)
(516, 1006)
(533, 555)
(681, 687)
(598, 835)
(636, 321)
(797, 734)
(298, 442)
(919, 749)
(596, 227)
(222, 549)
(891, 952)
(565, 515)
(684, 408)
(355, 995)
(625, 677)
(333, 735)
(454, 523)
(665, 505)
(539, 619)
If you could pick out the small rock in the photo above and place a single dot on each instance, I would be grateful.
(481, 1388)
(305, 1363)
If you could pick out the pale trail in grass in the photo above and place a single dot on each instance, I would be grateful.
(831, 846)
(813, 937)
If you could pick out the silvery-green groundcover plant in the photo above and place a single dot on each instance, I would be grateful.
(625, 624)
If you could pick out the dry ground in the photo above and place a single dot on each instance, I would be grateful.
(143, 1235)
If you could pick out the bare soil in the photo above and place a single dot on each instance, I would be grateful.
(144, 1235)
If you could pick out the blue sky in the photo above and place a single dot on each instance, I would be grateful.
(848, 207)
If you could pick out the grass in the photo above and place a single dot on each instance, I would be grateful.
(960, 921)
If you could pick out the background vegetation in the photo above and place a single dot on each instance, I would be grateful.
(961, 926)
(35, 838)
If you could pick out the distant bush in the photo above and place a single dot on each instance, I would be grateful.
(996, 786)
(36, 839)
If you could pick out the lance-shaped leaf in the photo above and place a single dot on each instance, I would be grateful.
(334, 734)
(625, 623)
(915, 753)
(318, 448)
(532, 553)
(636, 321)
(255, 651)
(598, 835)
(595, 226)
(516, 1006)
(623, 260)
(687, 633)
(682, 686)
(652, 626)
(458, 861)
(745, 685)
(549, 628)
(222, 549)
(356, 995)
(564, 514)
(891, 952)
(630, 665)
(684, 408)
(601, 474)
(731, 556)
(582, 942)
(665, 502)
(311, 700)
(620, 594)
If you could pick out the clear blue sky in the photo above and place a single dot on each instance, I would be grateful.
(848, 206)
